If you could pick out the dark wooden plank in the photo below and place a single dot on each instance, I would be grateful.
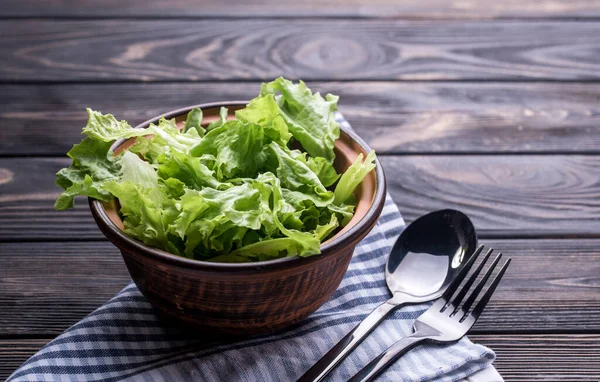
(506, 196)
(520, 357)
(27, 194)
(14, 352)
(201, 50)
(338, 8)
(545, 357)
(552, 285)
(47, 287)
(392, 117)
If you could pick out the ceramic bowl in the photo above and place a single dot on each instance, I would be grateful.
(247, 298)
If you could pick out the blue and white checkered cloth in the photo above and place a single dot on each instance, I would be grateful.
(124, 340)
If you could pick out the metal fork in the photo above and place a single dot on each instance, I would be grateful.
(446, 320)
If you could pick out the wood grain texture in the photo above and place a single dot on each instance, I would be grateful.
(505, 195)
(551, 358)
(552, 285)
(27, 195)
(14, 352)
(46, 287)
(394, 118)
(202, 50)
(338, 8)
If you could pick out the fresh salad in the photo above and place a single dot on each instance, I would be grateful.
(228, 191)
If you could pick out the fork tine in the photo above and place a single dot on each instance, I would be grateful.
(459, 297)
(460, 277)
(488, 294)
(467, 305)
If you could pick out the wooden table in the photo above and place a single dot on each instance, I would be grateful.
(492, 108)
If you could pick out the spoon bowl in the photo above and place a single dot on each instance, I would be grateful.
(428, 255)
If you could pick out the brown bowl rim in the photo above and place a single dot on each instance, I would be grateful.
(114, 234)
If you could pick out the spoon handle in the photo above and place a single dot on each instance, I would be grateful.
(383, 360)
(334, 356)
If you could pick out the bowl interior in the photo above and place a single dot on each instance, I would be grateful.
(346, 150)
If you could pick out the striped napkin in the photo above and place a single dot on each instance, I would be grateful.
(124, 340)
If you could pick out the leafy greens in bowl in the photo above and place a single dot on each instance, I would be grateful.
(259, 187)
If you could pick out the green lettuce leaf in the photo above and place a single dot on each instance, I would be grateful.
(135, 170)
(352, 177)
(265, 112)
(239, 190)
(209, 216)
(162, 138)
(223, 112)
(324, 170)
(106, 128)
(187, 169)
(194, 121)
(93, 162)
(236, 148)
(146, 217)
(300, 182)
(190, 205)
(344, 212)
(146, 205)
(309, 117)
(92, 166)
(323, 230)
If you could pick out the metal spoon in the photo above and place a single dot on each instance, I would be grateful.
(425, 259)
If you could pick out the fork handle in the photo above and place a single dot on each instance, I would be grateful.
(334, 356)
(383, 360)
